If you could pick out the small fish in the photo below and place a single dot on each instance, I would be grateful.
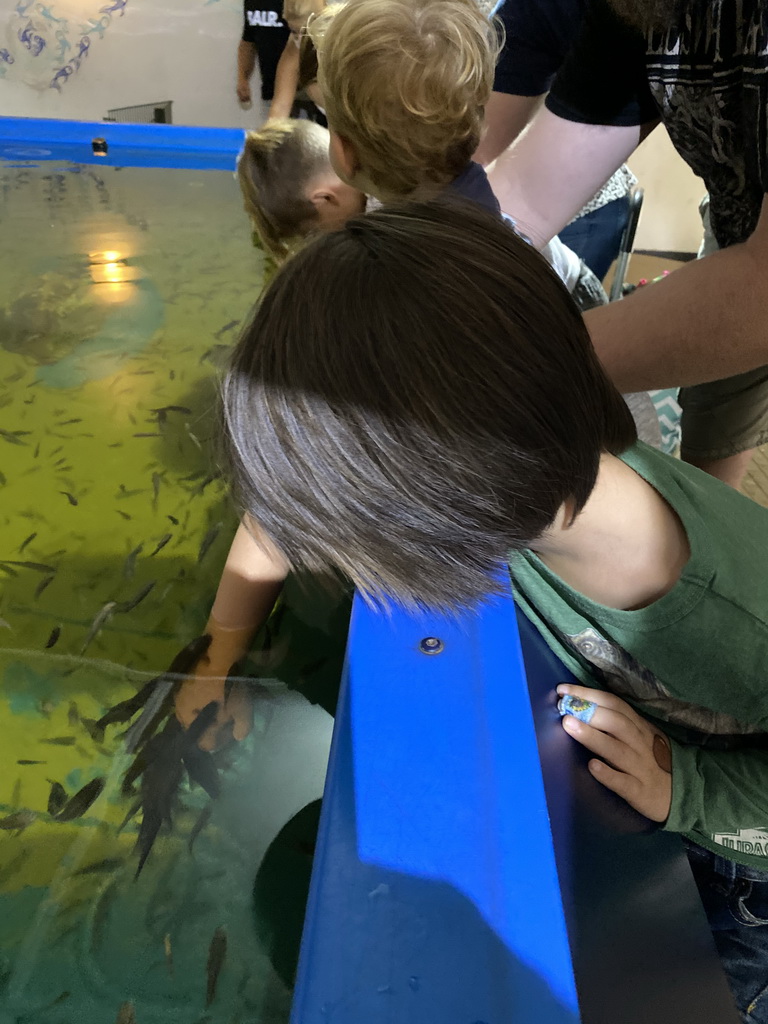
(129, 567)
(11, 438)
(42, 585)
(161, 543)
(204, 483)
(130, 604)
(17, 822)
(26, 762)
(27, 542)
(226, 328)
(157, 479)
(100, 867)
(168, 953)
(34, 566)
(60, 741)
(57, 798)
(53, 638)
(126, 1015)
(7, 570)
(81, 801)
(101, 619)
(208, 540)
(70, 497)
(155, 434)
(185, 410)
(217, 952)
(36, 451)
(94, 730)
(174, 520)
(123, 514)
(66, 423)
(3, 479)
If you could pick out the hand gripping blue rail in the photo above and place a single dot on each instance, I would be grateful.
(469, 870)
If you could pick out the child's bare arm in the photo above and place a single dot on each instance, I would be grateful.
(286, 81)
(250, 584)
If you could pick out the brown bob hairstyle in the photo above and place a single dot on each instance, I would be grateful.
(415, 397)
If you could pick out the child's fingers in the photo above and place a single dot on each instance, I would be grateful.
(623, 785)
(606, 745)
(614, 723)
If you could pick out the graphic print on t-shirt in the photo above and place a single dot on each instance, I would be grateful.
(709, 77)
(631, 681)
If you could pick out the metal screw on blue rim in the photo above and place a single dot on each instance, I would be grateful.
(431, 645)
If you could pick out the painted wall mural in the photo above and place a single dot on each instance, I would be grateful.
(47, 43)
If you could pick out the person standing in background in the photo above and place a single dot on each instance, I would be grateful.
(538, 34)
(264, 37)
(296, 14)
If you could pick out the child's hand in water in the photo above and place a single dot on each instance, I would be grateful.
(636, 756)
(235, 716)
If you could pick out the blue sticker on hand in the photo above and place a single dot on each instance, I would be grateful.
(577, 707)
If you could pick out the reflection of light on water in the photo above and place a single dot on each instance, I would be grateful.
(113, 293)
(111, 268)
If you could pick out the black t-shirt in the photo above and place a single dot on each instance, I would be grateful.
(538, 36)
(264, 27)
(707, 78)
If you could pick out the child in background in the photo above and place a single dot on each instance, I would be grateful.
(289, 187)
(296, 14)
(378, 430)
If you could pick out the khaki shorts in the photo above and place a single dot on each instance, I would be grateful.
(725, 417)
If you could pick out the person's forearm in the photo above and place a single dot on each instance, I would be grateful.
(252, 579)
(286, 81)
(703, 322)
(246, 60)
(545, 178)
(505, 117)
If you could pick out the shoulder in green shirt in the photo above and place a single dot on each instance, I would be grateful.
(696, 660)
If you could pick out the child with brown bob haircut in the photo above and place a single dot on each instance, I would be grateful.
(377, 429)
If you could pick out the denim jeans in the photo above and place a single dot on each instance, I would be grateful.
(736, 901)
(596, 237)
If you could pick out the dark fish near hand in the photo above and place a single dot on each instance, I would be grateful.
(217, 952)
(56, 798)
(163, 687)
(162, 776)
(81, 801)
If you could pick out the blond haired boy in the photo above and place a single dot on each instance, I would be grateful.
(404, 84)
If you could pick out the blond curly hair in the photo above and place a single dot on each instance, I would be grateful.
(406, 83)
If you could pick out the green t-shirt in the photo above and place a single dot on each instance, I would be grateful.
(696, 660)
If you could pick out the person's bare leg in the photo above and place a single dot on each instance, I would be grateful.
(731, 470)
